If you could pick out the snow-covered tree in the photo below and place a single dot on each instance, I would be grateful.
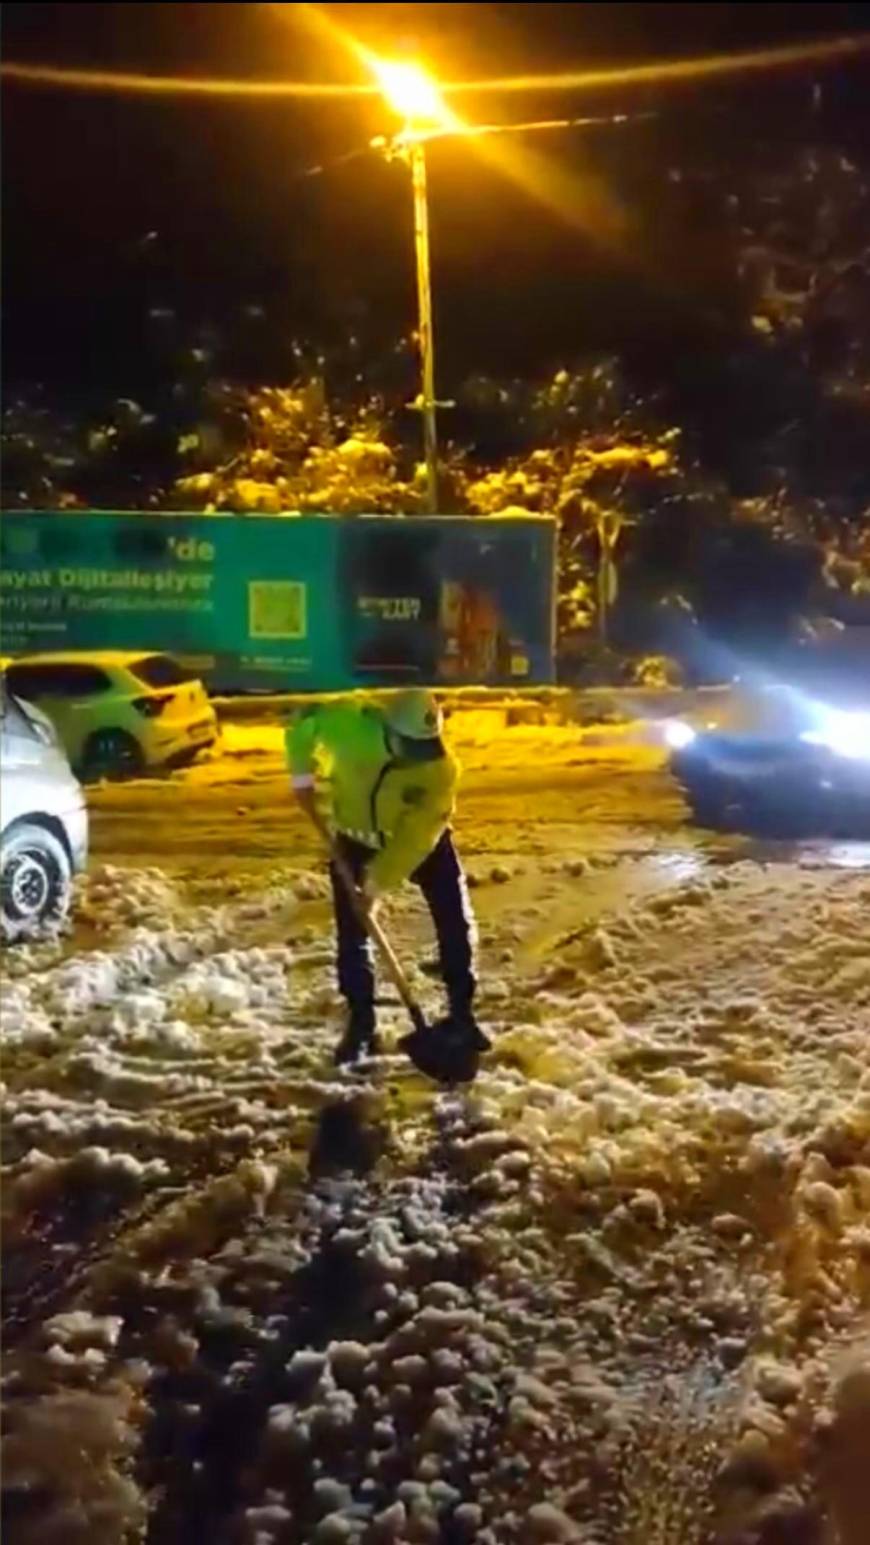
(115, 458)
(288, 450)
(603, 462)
(802, 236)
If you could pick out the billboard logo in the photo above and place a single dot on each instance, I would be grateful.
(189, 549)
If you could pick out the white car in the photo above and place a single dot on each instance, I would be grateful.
(118, 713)
(44, 839)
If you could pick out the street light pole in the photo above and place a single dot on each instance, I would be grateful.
(415, 97)
(425, 331)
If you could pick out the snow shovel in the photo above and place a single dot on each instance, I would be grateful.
(441, 1051)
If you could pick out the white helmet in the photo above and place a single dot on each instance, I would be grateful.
(415, 715)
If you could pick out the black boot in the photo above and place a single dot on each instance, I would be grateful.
(466, 1028)
(360, 1039)
(450, 1049)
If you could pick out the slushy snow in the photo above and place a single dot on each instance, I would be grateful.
(633, 1258)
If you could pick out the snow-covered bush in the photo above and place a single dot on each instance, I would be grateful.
(288, 450)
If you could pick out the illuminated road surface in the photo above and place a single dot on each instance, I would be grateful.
(549, 1309)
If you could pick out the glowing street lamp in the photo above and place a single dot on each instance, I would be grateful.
(415, 97)
(411, 93)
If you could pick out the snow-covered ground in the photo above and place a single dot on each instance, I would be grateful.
(616, 1293)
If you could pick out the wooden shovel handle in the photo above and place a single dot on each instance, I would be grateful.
(371, 925)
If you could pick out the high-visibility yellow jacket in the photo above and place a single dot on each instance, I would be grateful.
(398, 807)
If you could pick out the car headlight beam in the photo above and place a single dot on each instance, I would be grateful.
(845, 734)
(678, 734)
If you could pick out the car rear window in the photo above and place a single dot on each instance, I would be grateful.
(160, 670)
(65, 679)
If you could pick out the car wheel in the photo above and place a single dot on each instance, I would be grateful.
(112, 754)
(35, 880)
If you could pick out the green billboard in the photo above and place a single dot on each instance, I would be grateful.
(315, 603)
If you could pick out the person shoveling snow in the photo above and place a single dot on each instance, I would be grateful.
(393, 787)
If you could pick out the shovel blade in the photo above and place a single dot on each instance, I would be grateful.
(443, 1052)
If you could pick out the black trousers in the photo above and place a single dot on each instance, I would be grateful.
(442, 881)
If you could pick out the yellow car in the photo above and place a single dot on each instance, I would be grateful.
(118, 713)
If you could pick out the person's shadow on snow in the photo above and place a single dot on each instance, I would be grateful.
(350, 1136)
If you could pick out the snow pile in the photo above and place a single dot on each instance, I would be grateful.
(114, 897)
(234, 980)
(550, 1310)
(73, 1451)
(134, 1062)
(500, 738)
(383, 1435)
(485, 739)
(39, 1180)
(24, 1022)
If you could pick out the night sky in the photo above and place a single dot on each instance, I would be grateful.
(117, 208)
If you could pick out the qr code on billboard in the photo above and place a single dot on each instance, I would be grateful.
(277, 608)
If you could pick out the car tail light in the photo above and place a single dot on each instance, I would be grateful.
(45, 733)
(150, 707)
